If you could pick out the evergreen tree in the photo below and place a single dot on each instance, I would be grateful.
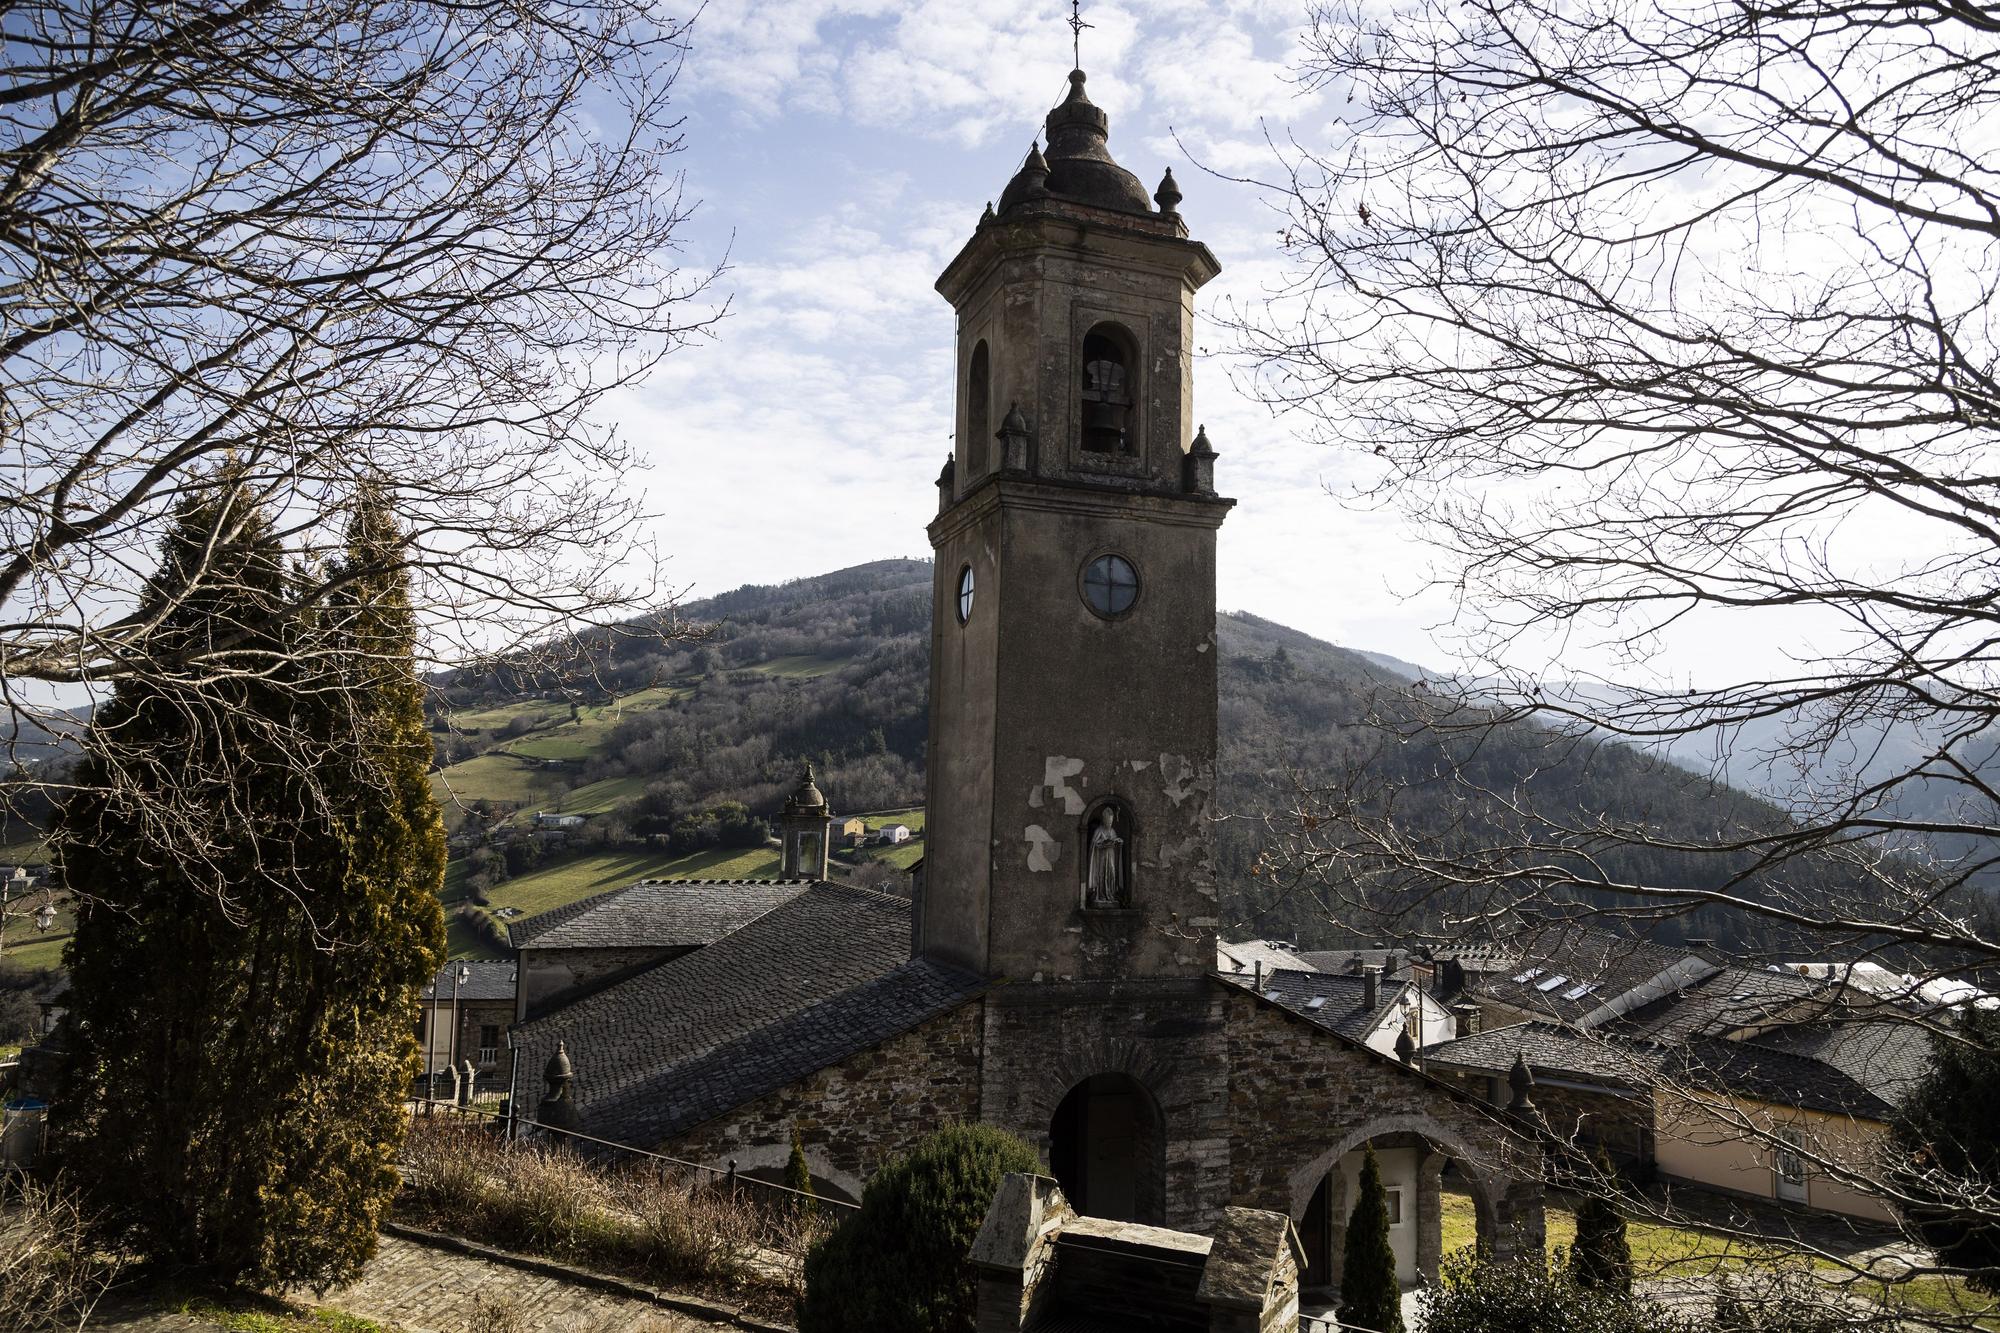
(897, 1265)
(243, 1008)
(1370, 1296)
(1947, 1133)
(1601, 1257)
(798, 1174)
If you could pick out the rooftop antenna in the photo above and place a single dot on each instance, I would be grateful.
(1076, 27)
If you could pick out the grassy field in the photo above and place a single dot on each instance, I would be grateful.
(800, 666)
(29, 947)
(494, 777)
(580, 877)
(1686, 1252)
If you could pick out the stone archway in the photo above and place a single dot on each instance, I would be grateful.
(1413, 1151)
(1107, 1149)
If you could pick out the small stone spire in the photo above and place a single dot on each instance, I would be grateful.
(803, 831)
(1013, 437)
(1406, 1048)
(1168, 196)
(558, 1108)
(1521, 1080)
(1198, 466)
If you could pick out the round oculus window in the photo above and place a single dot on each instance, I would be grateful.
(1110, 585)
(965, 594)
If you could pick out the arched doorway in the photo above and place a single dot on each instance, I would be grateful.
(1107, 1148)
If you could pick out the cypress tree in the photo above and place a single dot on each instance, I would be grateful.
(1370, 1296)
(798, 1174)
(1601, 1257)
(244, 988)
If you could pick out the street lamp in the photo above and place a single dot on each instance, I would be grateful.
(463, 974)
(45, 916)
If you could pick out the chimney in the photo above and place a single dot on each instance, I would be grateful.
(1257, 976)
(1464, 1020)
(1371, 988)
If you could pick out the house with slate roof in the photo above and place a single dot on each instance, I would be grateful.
(1054, 972)
(1749, 1081)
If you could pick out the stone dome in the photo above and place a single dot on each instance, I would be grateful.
(1077, 166)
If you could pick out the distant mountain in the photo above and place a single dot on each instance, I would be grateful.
(834, 669)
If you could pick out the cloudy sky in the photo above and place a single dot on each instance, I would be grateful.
(842, 151)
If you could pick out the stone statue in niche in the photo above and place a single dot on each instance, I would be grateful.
(1104, 882)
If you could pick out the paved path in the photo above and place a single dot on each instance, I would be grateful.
(423, 1290)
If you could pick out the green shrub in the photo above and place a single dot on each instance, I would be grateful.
(1533, 1294)
(798, 1174)
(898, 1264)
(1370, 1296)
(554, 1203)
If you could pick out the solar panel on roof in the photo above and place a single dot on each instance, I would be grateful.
(1551, 983)
(1271, 995)
(1316, 1003)
(1528, 975)
(1578, 992)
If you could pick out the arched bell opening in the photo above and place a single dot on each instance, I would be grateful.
(1109, 389)
(978, 411)
(1107, 1149)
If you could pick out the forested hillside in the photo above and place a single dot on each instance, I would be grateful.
(658, 746)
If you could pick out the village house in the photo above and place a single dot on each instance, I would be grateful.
(1054, 970)
(466, 1010)
(849, 832)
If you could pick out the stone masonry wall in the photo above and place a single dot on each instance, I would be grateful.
(855, 1114)
(1041, 1041)
(1299, 1100)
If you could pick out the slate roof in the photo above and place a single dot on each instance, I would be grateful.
(1244, 955)
(1549, 1051)
(824, 974)
(1343, 1010)
(489, 980)
(1753, 1069)
(1887, 1056)
(656, 913)
(1572, 972)
(1728, 1001)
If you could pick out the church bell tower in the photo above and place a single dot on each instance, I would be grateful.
(1073, 701)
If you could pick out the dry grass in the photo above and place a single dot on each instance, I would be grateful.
(661, 1227)
(51, 1276)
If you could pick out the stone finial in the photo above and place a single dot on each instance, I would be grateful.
(558, 1109)
(1522, 1082)
(1198, 466)
(947, 482)
(1168, 196)
(1013, 437)
(1030, 182)
(987, 216)
(558, 1074)
(1406, 1047)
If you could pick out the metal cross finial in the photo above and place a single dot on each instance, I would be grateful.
(1076, 27)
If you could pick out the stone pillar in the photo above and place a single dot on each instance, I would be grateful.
(1430, 1215)
(1336, 1225)
(465, 1084)
(1519, 1219)
(1014, 1249)
(1250, 1283)
(453, 1071)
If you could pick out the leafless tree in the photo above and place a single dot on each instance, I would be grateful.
(1665, 321)
(305, 247)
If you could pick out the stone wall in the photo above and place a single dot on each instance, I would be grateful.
(1621, 1124)
(1300, 1100)
(549, 975)
(1042, 1041)
(855, 1114)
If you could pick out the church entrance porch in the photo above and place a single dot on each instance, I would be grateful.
(1412, 1170)
(1107, 1145)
